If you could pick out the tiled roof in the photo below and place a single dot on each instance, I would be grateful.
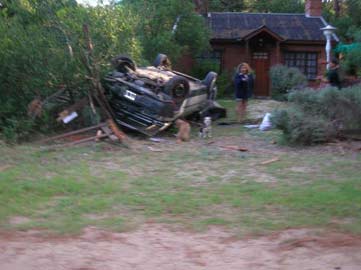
(236, 25)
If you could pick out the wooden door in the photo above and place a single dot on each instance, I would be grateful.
(260, 64)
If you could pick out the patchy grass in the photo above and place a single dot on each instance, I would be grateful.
(193, 185)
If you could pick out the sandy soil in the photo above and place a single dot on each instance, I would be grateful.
(157, 247)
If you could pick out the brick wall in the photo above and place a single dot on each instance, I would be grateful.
(235, 53)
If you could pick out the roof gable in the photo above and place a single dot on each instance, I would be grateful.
(237, 25)
(263, 29)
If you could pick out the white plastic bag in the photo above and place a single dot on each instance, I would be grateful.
(266, 122)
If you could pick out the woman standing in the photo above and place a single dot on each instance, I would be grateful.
(244, 82)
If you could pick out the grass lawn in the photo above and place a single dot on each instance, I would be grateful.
(191, 185)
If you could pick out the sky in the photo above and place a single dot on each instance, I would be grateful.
(92, 2)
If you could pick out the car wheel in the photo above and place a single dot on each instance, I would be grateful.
(177, 88)
(123, 63)
(210, 82)
(162, 61)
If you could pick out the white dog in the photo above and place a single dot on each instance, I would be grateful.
(206, 129)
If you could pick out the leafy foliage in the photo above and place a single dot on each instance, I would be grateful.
(44, 48)
(300, 128)
(276, 6)
(291, 6)
(317, 116)
(285, 79)
(352, 62)
(169, 26)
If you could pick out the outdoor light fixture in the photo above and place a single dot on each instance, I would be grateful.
(328, 31)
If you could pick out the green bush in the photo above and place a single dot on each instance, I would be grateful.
(300, 128)
(352, 62)
(42, 50)
(285, 79)
(316, 116)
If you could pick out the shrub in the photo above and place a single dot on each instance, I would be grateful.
(352, 61)
(317, 116)
(285, 79)
(300, 128)
(42, 51)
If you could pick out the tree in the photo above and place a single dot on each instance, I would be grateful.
(275, 6)
(224, 5)
(43, 49)
(169, 26)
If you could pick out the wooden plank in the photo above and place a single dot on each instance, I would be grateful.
(72, 133)
(92, 138)
(110, 134)
(234, 147)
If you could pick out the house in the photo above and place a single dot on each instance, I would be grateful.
(266, 39)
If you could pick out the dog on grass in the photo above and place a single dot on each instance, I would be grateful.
(184, 130)
(206, 129)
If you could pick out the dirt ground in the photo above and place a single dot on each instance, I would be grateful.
(156, 246)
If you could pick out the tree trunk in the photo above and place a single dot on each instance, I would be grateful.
(337, 8)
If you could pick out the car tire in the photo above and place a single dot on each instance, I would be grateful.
(162, 61)
(123, 63)
(210, 82)
(178, 88)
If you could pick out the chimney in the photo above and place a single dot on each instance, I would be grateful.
(313, 8)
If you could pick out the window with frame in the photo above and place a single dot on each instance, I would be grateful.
(305, 61)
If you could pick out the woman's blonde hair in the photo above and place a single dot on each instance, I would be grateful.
(244, 64)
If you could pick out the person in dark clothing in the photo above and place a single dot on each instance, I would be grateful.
(333, 76)
(244, 82)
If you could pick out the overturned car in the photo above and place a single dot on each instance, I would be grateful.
(150, 99)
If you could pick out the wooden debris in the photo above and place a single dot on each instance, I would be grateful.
(92, 138)
(270, 161)
(95, 97)
(104, 130)
(234, 147)
(110, 134)
(117, 132)
(72, 133)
